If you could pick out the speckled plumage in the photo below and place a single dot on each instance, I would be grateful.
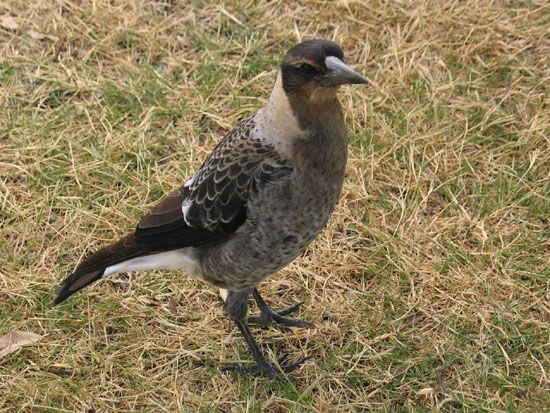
(264, 193)
(284, 215)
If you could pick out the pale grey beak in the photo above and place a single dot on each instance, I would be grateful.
(339, 73)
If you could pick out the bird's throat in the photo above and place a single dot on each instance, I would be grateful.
(277, 122)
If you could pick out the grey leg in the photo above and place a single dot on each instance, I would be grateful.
(268, 316)
(236, 307)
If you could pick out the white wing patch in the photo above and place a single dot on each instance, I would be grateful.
(190, 181)
(185, 209)
(180, 259)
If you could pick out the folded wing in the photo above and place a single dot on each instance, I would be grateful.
(212, 204)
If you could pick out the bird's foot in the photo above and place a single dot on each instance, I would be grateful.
(266, 368)
(278, 320)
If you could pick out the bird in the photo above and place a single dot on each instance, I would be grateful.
(259, 199)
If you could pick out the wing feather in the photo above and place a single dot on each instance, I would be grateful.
(215, 198)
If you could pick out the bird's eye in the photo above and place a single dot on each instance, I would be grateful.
(307, 69)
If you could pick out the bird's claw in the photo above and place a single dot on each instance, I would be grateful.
(278, 319)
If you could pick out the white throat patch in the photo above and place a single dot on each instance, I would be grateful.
(276, 122)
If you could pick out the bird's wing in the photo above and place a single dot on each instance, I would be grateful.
(211, 205)
(213, 202)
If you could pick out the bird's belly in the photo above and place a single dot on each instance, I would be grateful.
(273, 235)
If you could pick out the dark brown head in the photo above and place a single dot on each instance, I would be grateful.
(316, 68)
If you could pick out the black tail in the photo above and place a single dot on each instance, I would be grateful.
(75, 282)
(93, 267)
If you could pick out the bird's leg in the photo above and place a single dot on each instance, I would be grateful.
(262, 366)
(236, 307)
(268, 316)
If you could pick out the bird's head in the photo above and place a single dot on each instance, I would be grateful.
(314, 69)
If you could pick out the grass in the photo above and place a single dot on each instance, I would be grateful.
(429, 288)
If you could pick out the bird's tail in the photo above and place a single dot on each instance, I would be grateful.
(93, 267)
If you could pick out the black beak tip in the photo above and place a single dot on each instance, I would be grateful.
(354, 79)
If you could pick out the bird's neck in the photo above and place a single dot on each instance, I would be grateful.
(276, 121)
(308, 129)
(298, 117)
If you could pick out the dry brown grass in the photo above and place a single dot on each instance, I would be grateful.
(429, 289)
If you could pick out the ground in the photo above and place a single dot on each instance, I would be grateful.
(429, 288)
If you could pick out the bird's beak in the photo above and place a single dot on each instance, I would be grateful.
(339, 73)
